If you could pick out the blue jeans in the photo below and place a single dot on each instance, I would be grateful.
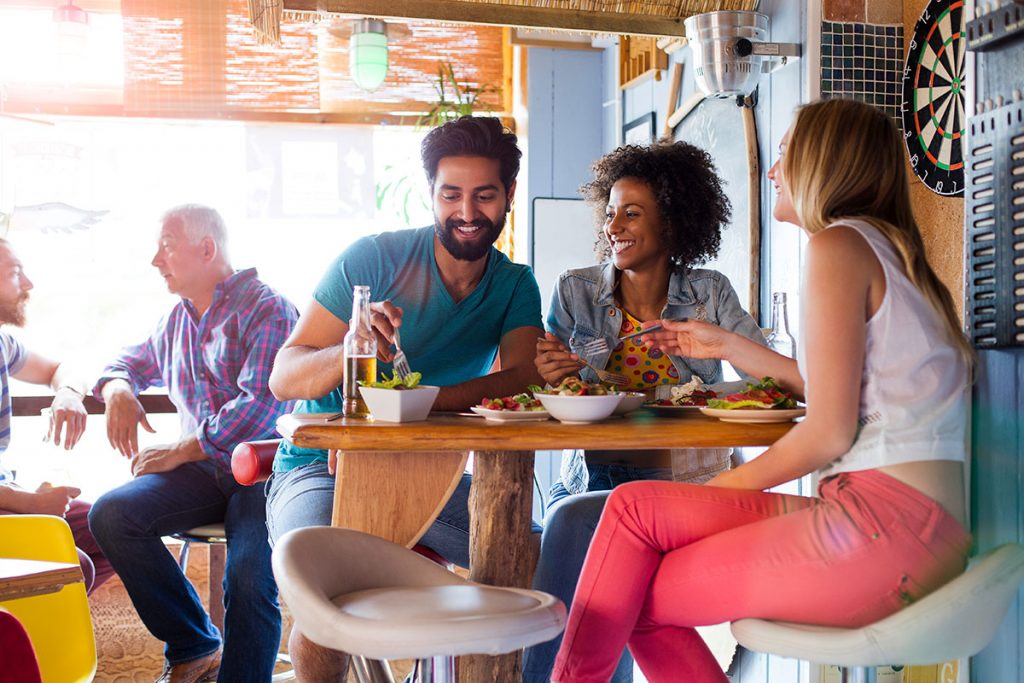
(568, 527)
(304, 496)
(128, 524)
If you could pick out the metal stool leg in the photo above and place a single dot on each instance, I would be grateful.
(859, 674)
(183, 555)
(434, 670)
(371, 670)
(288, 675)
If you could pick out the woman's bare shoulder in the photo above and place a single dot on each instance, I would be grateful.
(840, 243)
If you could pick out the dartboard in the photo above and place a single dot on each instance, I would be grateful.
(933, 97)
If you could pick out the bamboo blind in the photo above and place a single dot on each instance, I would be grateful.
(474, 51)
(198, 58)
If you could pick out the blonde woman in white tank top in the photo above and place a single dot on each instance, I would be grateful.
(885, 372)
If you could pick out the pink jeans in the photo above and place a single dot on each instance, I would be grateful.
(668, 557)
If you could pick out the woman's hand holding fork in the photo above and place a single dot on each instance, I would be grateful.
(554, 362)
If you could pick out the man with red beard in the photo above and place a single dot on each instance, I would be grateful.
(470, 319)
(67, 418)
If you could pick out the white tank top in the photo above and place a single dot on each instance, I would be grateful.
(914, 388)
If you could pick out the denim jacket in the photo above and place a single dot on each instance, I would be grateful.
(583, 309)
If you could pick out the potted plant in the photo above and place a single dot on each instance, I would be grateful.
(461, 101)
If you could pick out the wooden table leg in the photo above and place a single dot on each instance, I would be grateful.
(501, 550)
(396, 496)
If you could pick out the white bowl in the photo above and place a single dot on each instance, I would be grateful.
(579, 409)
(400, 405)
(631, 400)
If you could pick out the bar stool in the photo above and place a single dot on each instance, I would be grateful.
(215, 536)
(957, 620)
(377, 600)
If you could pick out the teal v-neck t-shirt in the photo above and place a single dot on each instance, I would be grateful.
(448, 342)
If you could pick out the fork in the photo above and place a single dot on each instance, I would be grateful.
(400, 363)
(612, 378)
(593, 348)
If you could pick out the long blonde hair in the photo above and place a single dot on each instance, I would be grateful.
(845, 160)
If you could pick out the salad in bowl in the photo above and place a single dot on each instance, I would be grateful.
(576, 401)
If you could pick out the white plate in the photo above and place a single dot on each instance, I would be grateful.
(510, 415)
(754, 415)
(673, 411)
(631, 400)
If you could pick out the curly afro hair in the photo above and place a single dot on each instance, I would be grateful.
(686, 188)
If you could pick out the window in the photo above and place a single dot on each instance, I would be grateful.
(84, 197)
(39, 63)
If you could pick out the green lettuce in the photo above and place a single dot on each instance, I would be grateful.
(411, 381)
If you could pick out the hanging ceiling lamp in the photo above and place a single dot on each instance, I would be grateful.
(368, 53)
(72, 29)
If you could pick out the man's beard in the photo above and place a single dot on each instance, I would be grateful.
(465, 250)
(13, 313)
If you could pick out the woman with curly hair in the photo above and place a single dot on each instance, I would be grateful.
(886, 371)
(662, 211)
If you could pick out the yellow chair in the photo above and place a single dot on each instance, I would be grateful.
(59, 624)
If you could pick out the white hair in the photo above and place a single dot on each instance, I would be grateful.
(200, 221)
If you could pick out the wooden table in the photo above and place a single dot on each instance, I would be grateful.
(394, 479)
(26, 578)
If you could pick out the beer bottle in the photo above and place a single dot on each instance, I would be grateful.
(360, 354)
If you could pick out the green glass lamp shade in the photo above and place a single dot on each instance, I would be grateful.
(368, 58)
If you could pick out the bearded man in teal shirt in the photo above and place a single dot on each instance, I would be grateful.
(469, 317)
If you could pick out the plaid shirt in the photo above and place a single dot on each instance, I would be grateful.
(215, 368)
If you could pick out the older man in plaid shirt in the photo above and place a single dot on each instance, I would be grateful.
(213, 352)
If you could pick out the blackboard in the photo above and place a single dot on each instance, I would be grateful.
(717, 127)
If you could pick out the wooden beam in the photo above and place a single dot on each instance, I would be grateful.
(460, 12)
(365, 118)
(673, 98)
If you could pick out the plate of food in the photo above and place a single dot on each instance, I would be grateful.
(762, 402)
(684, 399)
(516, 408)
(755, 415)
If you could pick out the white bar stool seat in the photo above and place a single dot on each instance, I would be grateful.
(957, 620)
(374, 599)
